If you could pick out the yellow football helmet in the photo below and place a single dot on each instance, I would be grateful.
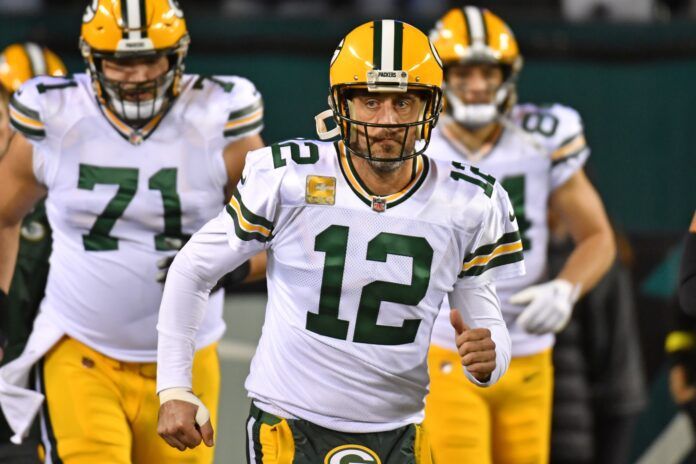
(472, 35)
(135, 29)
(383, 56)
(21, 62)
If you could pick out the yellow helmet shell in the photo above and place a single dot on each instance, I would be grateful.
(388, 46)
(385, 56)
(133, 26)
(472, 34)
(21, 62)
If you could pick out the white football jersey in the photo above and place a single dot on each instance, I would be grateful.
(535, 152)
(355, 281)
(116, 195)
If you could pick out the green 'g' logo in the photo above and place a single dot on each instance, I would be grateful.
(352, 454)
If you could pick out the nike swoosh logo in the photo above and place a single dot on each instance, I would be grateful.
(242, 180)
(512, 217)
(529, 377)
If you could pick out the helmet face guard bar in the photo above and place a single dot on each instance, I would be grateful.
(423, 126)
(136, 103)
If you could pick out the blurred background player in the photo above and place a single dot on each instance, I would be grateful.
(365, 237)
(19, 63)
(599, 382)
(537, 153)
(681, 342)
(135, 156)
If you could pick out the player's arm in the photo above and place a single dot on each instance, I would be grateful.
(549, 305)
(243, 229)
(19, 191)
(482, 339)
(579, 206)
(235, 157)
(183, 419)
(495, 253)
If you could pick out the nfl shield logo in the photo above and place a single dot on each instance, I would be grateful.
(379, 204)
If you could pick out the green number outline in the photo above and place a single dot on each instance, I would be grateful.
(295, 153)
(482, 180)
(98, 238)
(515, 187)
(333, 241)
(164, 180)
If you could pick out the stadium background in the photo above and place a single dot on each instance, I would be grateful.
(632, 83)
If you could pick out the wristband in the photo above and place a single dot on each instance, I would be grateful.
(183, 394)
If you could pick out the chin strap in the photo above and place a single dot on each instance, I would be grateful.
(322, 131)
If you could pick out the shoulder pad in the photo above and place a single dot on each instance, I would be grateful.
(556, 127)
(30, 106)
(236, 100)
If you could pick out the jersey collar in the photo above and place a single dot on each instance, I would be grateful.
(421, 167)
(133, 136)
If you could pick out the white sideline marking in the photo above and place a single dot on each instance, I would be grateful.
(235, 351)
(673, 444)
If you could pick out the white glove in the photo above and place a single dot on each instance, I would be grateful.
(550, 306)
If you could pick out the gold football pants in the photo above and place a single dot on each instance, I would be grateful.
(507, 423)
(100, 410)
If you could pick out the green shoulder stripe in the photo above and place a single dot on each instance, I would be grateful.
(485, 250)
(495, 262)
(568, 157)
(251, 217)
(245, 111)
(240, 232)
(243, 129)
(24, 110)
(30, 132)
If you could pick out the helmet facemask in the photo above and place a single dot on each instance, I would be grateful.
(353, 130)
(137, 103)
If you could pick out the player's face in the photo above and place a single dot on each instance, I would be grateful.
(474, 83)
(387, 108)
(133, 71)
(5, 131)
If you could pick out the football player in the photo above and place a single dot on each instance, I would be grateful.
(19, 63)
(365, 236)
(135, 156)
(537, 153)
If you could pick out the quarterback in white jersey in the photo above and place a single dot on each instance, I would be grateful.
(365, 237)
(135, 156)
(537, 153)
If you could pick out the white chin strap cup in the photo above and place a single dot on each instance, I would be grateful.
(182, 394)
(322, 131)
(475, 115)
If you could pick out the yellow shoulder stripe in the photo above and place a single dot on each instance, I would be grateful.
(246, 225)
(573, 146)
(498, 251)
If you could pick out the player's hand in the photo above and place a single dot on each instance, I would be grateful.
(172, 243)
(549, 306)
(184, 421)
(475, 346)
(682, 391)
